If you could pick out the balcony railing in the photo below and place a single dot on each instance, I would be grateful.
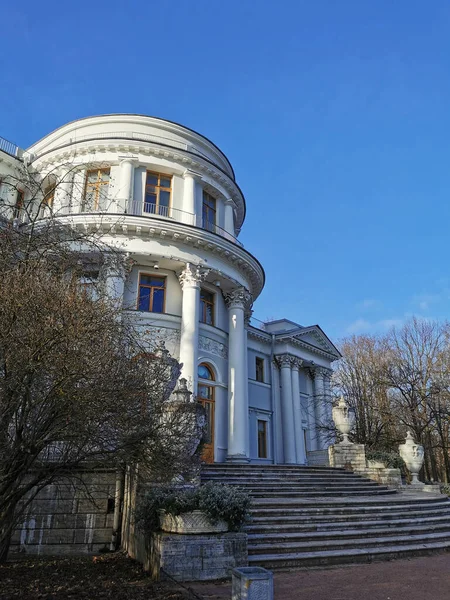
(146, 209)
(9, 147)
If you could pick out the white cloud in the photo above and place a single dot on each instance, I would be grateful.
(359, 326)
(368, 303)
(364, 326)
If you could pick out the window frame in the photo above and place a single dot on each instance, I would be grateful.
(49, 196)
(19, 204)
(265, 438)
(203, 307)
(158, 189)
(206, 224)
(259, 369)
(97, 186)
(157, 276)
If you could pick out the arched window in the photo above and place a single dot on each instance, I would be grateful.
(205, 372)
(205, 395)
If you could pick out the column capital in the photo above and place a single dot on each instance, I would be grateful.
(192, 275)
(239, 298)
(296, 363)
(229, 202)
(128, 159)
(192, 174)
(284, 360)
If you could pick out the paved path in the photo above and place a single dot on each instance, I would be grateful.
(414, 579)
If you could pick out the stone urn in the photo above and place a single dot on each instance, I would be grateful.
(343, 418)
(412, 454)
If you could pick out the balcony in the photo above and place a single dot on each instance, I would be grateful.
(146, 209)
(10, 148)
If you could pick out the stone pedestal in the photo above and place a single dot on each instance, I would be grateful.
(348, 456)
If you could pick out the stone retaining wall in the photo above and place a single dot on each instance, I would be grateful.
(69, 518)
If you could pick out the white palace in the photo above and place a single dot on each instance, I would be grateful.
(167, 197)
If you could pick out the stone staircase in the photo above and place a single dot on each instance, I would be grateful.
(320, 516)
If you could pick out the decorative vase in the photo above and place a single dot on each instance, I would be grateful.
(343, 418)
(412, 454)
(193, 522)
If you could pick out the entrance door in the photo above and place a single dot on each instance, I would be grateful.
(206, 398)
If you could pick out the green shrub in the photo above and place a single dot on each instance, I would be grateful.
(391, 460)
(219, 501)
(445, 489)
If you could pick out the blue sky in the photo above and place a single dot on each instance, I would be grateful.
(335, 115)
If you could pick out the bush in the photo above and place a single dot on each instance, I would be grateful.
(219, 501)
(391, 460)
(445, 489)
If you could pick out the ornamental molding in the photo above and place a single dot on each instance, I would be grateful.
(158, 334)
(183, 158)
(192, 275)
(239, 298)
(213, 347)
(148, 227)
(310, 347)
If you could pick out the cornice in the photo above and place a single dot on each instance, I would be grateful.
(148, 227)
(314, 349)
(185, 159)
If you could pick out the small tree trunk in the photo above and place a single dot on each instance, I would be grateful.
(6, 530)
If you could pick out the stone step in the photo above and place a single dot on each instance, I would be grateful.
(301, 560)
(349, 505)
(314, 536)
(300, 481)
(324, 493)
(322, 523)
(344, 543)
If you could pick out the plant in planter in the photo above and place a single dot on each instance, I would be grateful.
(211, 508)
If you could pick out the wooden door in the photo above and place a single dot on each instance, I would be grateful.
(206, 399)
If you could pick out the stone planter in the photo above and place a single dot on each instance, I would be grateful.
(194, 522)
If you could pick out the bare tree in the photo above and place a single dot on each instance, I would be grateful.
(78, 387)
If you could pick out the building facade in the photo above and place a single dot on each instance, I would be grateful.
(166, 198)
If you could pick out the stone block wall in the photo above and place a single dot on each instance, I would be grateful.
(348, 456)
(383, 475)
(197, 557)
(69, 518)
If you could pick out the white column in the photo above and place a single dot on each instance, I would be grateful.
(190, 279)
(124, 197)
(277, 424)
(311, 412)
(238, 303)
(192, 216)
(320, 404)
(229, 217)
(63, 193)
(287, 410)
(328, 399)
(299, 438)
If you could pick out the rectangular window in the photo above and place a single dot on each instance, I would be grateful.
(259, 362)
(96, 190)
(206, 307)
(152, 292)
(209, 212)
(158, 189)
(18, 207)
(262, 439)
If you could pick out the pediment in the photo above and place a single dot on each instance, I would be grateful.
(315, 337)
